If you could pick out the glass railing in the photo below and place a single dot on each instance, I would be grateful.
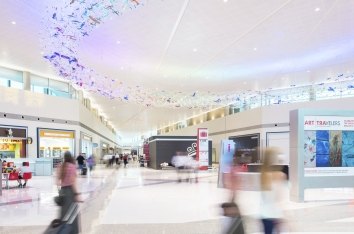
(323, 91)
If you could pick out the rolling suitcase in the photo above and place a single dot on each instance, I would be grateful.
(236, 226)
(64, 226)
(84, 170)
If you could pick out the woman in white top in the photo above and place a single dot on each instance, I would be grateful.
(272, 182)
(24, 169)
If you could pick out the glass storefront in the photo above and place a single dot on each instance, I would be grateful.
(53, 143)
(86, 144)
(13, 142)
(12, 148)
(104, 149)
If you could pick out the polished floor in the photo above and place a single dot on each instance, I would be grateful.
(141, 200)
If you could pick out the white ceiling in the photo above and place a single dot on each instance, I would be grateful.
(194, 45)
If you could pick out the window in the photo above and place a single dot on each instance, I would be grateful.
(4, 82)
(39, 84)
(11, 78)
(58, 88)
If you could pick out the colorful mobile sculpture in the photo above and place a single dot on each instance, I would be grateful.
(69, 21)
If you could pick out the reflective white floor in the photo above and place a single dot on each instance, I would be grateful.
(141, 200)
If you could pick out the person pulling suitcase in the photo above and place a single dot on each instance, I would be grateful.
(65, 225)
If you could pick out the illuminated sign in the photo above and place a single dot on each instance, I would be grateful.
(56, 134)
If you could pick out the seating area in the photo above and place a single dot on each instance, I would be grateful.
(11, 173)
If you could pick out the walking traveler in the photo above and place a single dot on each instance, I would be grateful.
(66, 179)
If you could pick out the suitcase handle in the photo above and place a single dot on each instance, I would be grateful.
(71, 213)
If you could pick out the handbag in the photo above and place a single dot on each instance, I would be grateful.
(230, 209)
(59, 200)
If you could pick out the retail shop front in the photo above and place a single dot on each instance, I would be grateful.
(104, 148)
(52, 143)
(13, 142)
(86, 144)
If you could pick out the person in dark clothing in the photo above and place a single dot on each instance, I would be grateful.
(113, 159)
(125, 158)
(117, 160)
(80, 161)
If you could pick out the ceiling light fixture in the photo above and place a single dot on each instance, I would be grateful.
(255, 48)
(118, 42)
(317, 9)
(225, 0)
(13, 22)
(195, 50)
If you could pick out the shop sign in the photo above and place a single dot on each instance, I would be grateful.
(328, 123)
(10, 140)
(56, 134)
(12, 132)
(87, 138)
(29, 140)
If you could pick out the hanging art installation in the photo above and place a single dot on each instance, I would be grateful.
(69, 21)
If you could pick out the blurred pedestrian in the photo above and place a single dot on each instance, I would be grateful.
(179, 162)
(66, 179)
(91, 162)
(80, 161)
(117, 160)
(233, 221)
(272, 184)
(125, 160)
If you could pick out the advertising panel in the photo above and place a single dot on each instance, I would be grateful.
(226, 159)
(328, 145)
(203, 148)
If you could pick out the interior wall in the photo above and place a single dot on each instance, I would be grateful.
(87, 118)
(25, 102)
(261, 120)
(21, 102)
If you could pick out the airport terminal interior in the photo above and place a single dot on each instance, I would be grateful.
(177, 116)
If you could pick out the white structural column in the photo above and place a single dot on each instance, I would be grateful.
(26, 80)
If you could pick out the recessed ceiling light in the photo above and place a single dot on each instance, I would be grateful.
(118, 42)
(317, 9)
(225, 0)
(254, 48)
(13, 22)
(195, 50)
